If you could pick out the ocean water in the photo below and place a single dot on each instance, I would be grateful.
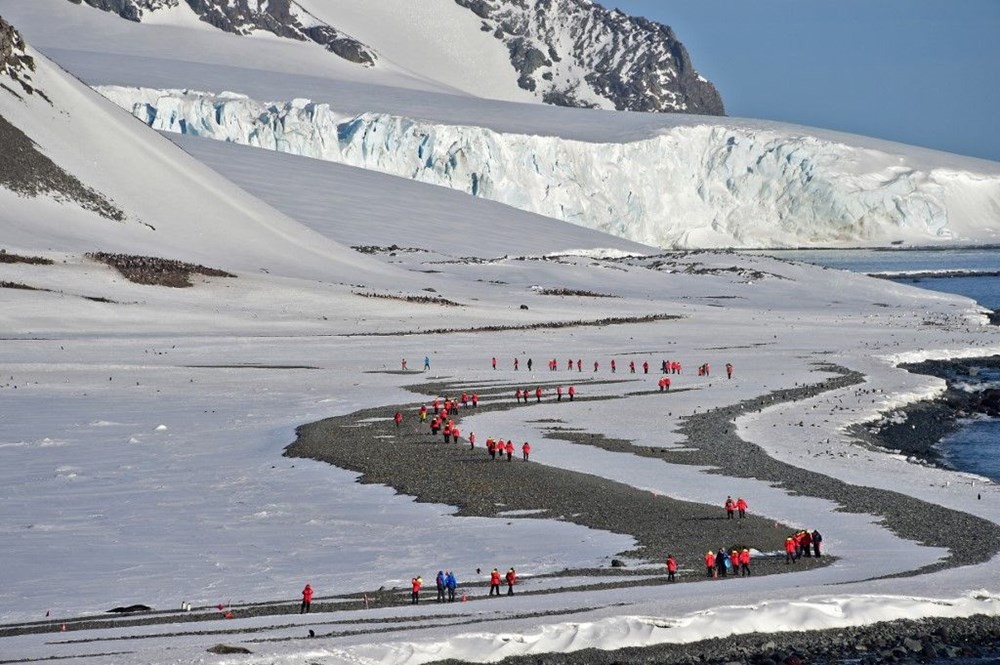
(976, 446)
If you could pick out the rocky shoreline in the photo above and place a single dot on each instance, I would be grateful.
(917, 430)
(366, 442)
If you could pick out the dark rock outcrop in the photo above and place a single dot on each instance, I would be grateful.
(283, 18)
(634, 63)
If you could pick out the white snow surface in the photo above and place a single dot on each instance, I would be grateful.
(141, 433)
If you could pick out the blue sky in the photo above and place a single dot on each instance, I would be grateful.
(925, 72)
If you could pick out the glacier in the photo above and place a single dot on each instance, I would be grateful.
(711, 184)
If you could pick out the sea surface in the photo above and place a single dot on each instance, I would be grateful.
(976, 447)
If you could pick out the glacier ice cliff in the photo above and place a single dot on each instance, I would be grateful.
(701, 185)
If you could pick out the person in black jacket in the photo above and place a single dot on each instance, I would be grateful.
(817, 538)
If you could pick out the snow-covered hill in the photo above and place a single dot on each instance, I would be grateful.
(669, 180)
(568, 53)
(693, 185)
(142, 426)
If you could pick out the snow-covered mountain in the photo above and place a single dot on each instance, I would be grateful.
(567, 52)
(427, 112)
(143, 425)
(693, 184)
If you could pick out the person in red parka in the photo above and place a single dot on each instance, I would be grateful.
(645, 367)
(495, 582)
(710, 563)
(472, 440)
(525, 450)
(509, 449)
(511, 578)
(491, 448)
(572, 393)
(398, 418)
(517, 395)
(741, 507)
(672, 568)
(307, 597)
(538, 394)
(558, 393)
(614, 366)
(415, 585)
(730, 507)
(729, 370)
(790, 551)
(745, 563)
(805, 543)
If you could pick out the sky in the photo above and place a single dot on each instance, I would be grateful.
(922, 72)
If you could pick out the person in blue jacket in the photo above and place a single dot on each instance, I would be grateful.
(440, 586)
(452, 584)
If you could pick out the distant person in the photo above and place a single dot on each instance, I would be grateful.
(741, 507)
(671, 568)
(427, 362)
(398, 418)
(509, 449)
(745, 563)
(494, 363)
(415, 585)
(817, 538)
(526, 451)
(729, 370)
(495, 582)
(730, 508)
(451, 583)
(710, 563)
(511, 579)
(403, 364)
(529, 364)
(441, 587)
(307, 597)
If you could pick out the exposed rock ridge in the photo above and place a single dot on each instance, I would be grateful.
(284, 18)
(577, 53)
(15, 64)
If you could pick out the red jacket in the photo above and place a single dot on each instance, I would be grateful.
(790, 545)
(511, 577)
(495, 577)
(672, 565)
(509, 447)
(741, 504)
(710, 559)
(307, 594)
(526, 448)
(417, 583)
(745, 557)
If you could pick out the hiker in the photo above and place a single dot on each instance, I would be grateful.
(741, 507)
(745, 563)
(579, 364)
(730, 508)
(495, 582)
(722, 562)
(515, 364)
(307, 596)
(631, 367)
(729, 370)
(526, 450)
(472, 440)
(398, 418)
(569, 364)
(475, 400)
(511, 578)
(558, 393)
(494, 363)
(509, 449)
(403, 364)
(415, 585)
(427, 362)
(439, 581)
(529, 364)
(817, 538)
(423, 413)
(572, 392)
(517, 395)
(805, 544)
(671, 568)
(451, 583)
(710, 563)
(645, 367)
(538, 394)
(491, 448)
(790, 551)
(613, 366)
(596, 365)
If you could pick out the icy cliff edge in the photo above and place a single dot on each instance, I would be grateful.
(707, 185)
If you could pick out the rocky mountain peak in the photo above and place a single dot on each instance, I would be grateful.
(577, 53)
(16, 65)
(284, 18)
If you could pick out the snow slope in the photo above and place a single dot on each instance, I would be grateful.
(670, 181)
(142, 427)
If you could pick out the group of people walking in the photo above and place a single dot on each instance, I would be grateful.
(721, 563)
(666, 366)
(525, 394)
(734, 507)
(802, 544)
(447, 585)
